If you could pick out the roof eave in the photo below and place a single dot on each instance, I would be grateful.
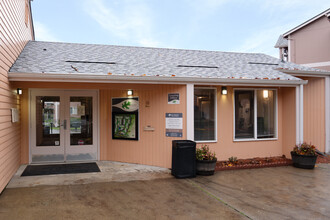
(88, 78)
(306, 73)
(286, 34)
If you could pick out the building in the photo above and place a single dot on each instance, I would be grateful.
(16, 29)
(308, 44)
(85, 102)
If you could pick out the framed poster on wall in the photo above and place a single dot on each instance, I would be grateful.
(125, 118)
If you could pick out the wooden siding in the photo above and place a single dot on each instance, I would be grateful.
(14, 34)
(314, 112)
(288, 120)
(153, 147)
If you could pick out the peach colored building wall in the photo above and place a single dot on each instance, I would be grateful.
(314, 112)
(311, 44)
(153, 148)
(15, 31)
(288, 119)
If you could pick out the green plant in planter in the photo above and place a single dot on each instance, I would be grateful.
(205, 161)
(304, 149)
(204, 153)
(304, 156)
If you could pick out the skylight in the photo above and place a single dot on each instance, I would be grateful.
(275, 64)
(197, 66)
(95, 62)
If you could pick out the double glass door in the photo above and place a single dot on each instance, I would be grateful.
(63, 126)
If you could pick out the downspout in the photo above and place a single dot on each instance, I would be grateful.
(300, 114)
(327, 114)
(190, 111)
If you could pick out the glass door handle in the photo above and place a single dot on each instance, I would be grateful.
(64, 124)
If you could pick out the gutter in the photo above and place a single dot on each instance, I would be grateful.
(87, 78)
(305, 73)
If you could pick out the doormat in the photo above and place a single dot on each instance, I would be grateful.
(37, 170)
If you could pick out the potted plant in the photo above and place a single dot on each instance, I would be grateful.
(205, 161)
(304, 156)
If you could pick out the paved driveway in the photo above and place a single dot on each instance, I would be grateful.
(269, 193)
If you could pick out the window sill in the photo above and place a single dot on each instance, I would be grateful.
(265, 139)
(200, 142)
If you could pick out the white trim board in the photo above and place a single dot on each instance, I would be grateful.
(319, 64)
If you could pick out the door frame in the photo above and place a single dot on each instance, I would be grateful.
(64, 90)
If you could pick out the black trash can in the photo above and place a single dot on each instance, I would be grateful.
(183, 158)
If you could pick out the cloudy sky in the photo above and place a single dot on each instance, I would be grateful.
(222, 25)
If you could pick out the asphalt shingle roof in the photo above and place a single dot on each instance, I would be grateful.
(91, 59)
(281, 42)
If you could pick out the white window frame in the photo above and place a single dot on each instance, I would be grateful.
(255, 115)
(215, 115)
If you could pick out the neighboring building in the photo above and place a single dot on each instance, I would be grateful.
(16, 29)
(308, 44)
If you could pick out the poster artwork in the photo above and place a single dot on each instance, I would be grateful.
(125, 114)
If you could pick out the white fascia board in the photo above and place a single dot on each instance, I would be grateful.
(306, 22)
(306, 73)
(88, 78)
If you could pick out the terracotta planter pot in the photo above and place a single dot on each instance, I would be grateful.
(205, 167)
(303, 161)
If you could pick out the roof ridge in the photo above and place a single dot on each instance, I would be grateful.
(164, 48)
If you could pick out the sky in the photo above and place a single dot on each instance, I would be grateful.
(220, 25)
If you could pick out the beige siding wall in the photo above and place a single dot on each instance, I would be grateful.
(14, 34)
(314, 112)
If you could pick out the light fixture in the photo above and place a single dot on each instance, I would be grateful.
(265, 94)
(130, 92)
(19, 91)
(224, 90)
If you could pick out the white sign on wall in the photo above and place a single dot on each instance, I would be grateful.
(174, 124)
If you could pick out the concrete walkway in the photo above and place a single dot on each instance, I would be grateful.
(110, 172)
(152, 193)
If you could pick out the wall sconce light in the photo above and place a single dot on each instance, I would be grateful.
(130, 92)
(265, 94)
(19, 91)
(224, 90)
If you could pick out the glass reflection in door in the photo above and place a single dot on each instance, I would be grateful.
(81, 121)
(48, 120)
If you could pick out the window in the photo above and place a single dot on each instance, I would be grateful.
(205, 114)
(255, 114)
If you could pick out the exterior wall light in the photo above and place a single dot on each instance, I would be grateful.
(224, 90)
(19, 91)
(130, 92)
(265, 94)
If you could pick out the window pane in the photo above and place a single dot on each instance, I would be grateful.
(204, 107)
(81, 120)
(244, 114)
(48, 120)
(266, 113)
